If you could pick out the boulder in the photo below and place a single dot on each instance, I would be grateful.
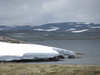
(74, 56)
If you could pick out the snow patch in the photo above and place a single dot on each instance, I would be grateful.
(71, 29)
(80, 22)
(51, 29)
(87, 23)
(94, 26)
(1, 28)
(38, 29)
(80, 31)
(78, 26)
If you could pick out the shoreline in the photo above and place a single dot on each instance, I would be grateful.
(30, 52)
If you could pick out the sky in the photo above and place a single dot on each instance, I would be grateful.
(38, 12)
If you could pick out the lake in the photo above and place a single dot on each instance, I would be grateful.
(91, 49)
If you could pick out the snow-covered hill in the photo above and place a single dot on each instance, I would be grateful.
(74, 27)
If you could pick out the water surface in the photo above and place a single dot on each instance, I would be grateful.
(91, 49)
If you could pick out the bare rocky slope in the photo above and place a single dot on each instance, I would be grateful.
(10, 40)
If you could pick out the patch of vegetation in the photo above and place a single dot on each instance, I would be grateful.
(38, 69)
(80, 53)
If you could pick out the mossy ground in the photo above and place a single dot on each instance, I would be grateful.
(40, 69)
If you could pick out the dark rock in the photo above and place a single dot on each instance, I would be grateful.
(61, 57)
(36, 59)
(74, 56)
(71, 56)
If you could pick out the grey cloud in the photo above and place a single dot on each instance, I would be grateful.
(38, 12)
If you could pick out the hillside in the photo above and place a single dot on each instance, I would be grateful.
(64, 26)
(41, 35)
(52, 31)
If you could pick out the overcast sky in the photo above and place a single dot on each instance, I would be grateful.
(37, 12)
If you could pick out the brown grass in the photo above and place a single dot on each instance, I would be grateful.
(37, 69)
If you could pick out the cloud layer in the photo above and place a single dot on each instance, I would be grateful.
(37, 12)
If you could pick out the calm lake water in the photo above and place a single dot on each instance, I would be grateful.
(91, 49)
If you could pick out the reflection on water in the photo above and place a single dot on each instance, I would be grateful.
(91, 48)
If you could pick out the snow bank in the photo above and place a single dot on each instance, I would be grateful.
(12, 51)
(20, 49)
(64, 52)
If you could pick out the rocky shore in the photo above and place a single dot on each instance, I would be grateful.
(55, 58)
(10, 40)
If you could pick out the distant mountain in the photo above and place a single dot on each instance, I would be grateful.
(52, 31)
(73, 27)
